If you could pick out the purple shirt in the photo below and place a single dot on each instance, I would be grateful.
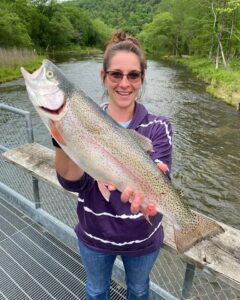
(110, 227)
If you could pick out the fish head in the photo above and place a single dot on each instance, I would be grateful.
(48, 90)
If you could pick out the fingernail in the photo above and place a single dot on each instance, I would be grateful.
(151, 208)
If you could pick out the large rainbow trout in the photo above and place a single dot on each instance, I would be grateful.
(108, 152)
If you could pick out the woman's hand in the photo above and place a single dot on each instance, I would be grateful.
(137, 199)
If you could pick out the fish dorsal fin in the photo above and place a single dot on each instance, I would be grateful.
(144, 142)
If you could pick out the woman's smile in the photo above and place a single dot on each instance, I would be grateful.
(123, 93)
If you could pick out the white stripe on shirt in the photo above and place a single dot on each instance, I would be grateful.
(162, 123)
(124, 216)
(124, 243)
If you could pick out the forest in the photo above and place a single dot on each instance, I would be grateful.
(129, 15)
(206, 28)
(207, 31)
(43, 24)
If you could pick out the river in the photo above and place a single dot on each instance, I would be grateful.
(206, 143)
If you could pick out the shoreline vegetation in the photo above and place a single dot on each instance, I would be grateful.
(221, 83)
(12, 59)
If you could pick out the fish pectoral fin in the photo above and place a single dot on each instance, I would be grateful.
(146, 216)
(104, 190)
(202, 228)
(144, 142)
(55, 133)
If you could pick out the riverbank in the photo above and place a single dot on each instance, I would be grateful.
(221, 83)
(11, 60)
(8, 73)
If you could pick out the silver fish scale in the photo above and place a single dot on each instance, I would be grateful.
(108, 153)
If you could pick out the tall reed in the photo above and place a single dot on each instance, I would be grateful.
(15, 56)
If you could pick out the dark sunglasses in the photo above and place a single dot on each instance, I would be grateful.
(117, 76)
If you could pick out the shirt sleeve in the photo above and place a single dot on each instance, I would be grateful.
(162, 143)
(84, 184)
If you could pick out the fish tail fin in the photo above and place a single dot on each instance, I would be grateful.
(203, 228)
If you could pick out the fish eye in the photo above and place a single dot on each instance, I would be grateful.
(49, 74)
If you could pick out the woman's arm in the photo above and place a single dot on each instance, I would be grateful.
(67, 168)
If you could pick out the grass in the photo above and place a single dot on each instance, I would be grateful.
(12, 59)
(221, 83)
(79, 50)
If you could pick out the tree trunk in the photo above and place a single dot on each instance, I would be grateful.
(229, 46)
(213, 32)
(217, 58)
(219, 36)
(222, 53)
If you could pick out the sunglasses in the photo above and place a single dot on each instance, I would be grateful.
(117, 76)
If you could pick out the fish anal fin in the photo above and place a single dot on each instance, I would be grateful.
(144, 142)
(55, 133)
(104, 190)
(186, 238)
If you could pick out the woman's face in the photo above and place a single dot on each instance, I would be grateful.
(124, 91)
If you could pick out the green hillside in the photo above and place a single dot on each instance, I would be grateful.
(129, 15)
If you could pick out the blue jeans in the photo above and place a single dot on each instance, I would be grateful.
(98, 267)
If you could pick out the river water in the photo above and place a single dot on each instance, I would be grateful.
(206, 143)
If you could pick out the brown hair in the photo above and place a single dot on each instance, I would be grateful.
(121, 41)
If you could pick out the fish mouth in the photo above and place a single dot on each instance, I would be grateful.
(44, 94)
(53, 111)
(36, 74)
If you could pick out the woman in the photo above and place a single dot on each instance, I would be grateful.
(108, 229)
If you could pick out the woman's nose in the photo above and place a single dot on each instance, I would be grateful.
(124, 81)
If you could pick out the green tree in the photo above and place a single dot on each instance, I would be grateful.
(84, 33)
(158, 36)
(34, 20)
(103, 32)
(61, 31)
(225, 31)
(204, 28)
(13, 32)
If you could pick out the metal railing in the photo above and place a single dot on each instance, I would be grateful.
(171, 278)
(29, 137)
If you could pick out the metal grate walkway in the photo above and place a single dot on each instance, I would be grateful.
(35, 265)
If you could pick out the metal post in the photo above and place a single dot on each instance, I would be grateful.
(36, 194)
(29, 127)
(188, 282)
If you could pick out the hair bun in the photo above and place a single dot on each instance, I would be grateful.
(122, 36)
(119, 36)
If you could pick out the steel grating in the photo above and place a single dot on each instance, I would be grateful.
(35, 265)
